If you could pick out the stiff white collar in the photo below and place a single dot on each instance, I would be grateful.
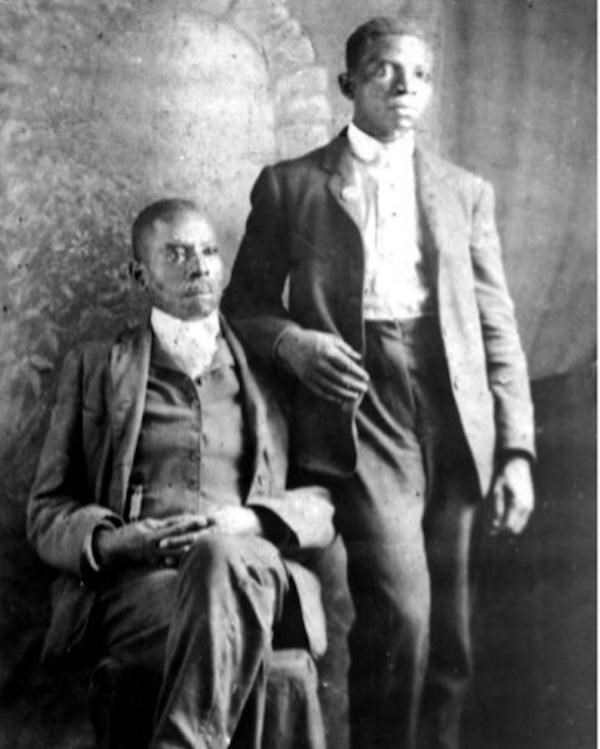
(372, 151)
(192, 344)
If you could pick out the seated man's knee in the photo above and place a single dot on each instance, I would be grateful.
(213, 555)
(218, 554)
(222, 568)
(219, 562)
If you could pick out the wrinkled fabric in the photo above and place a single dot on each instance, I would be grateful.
(406, 519)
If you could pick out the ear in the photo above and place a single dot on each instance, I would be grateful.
(346, 85)
(137, 271)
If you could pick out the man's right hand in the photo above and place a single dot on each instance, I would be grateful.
(148, 541)
(324, 363)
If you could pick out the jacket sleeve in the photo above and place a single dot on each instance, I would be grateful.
(60, 515)
(253, 299)
(506, 365)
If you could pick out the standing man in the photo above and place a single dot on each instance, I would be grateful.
(412, 388)
(160, 497)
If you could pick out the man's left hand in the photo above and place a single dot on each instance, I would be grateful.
(512, 496)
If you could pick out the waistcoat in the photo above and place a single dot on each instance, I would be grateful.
(190, 451)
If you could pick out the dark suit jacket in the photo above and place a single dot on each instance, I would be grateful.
(86, 461)
(305, 225)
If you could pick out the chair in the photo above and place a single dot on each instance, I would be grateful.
(122, 701)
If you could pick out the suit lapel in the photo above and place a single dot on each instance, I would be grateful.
(344, 183)
(130, 361)
(432, 188)
(254, 409)
(433, 201)
(436, 200)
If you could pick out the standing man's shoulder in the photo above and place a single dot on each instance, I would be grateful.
(312, 158)
(308, 164)
(431, 164)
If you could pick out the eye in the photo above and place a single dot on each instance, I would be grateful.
(210, 251)
(176, 253)
(423, 75)
(381, 70)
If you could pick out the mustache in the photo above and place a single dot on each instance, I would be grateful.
(190, 287)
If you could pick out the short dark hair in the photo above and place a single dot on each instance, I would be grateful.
(366, 33)
(166, 210)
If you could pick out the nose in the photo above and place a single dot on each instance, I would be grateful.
(198, 265)
(402, 82)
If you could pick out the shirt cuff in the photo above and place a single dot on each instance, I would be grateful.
(284, 332)
(90, 564)
(88, 551)
(507, 453)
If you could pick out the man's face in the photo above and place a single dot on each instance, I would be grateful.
(391, 86)
(181, 268)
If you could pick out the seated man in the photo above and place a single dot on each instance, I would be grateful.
(160, 495)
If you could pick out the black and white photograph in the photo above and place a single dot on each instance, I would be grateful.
(298, 430)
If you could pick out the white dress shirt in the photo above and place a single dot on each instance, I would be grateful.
(395, 285)
(192, 344)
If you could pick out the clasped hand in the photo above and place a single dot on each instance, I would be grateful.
(163, 541)
(324, 363)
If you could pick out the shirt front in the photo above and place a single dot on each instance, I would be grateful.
(191, 344)
(395, 284)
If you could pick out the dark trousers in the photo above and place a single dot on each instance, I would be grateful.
(406, 518)
(199, 640)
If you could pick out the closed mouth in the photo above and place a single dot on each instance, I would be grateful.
(196, 291)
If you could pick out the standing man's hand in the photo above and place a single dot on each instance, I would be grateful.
(324, 363)
(512, 496)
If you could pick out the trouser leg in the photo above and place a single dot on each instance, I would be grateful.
(128, 631)
(452, 503)
(408, 575)
(379, 513)
(389, 584)
(249, 730)
(448, 531)
(230, 595)
(293, 717)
